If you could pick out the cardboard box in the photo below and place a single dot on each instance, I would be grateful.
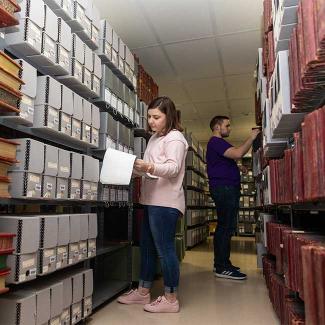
(18, 308)
(25, 184)
(86, 79)
(67, 100)
(46, 116)
(77, 107)
(86, 193)
(90, 169)
(78, 49)
(85, 132)
(51, 23)
(95, 84)
(29, 75)
(63, 241)
(76, 128)
(65, 123)
(51, 160)
(74, 189)
(48, 92)
(77, 287)
(23, 267)
(76, 165)
(56, 291)
(64, 34)
(64, 168)
(34, 10)
(87, 111)
(95, 137)
(74, 238)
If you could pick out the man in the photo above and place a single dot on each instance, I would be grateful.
(224, 182)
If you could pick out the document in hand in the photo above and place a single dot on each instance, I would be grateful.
(117, 167)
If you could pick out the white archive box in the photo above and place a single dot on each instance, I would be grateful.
(34, 10)
(62, 250)
(67, 300)
(78, 49)
(56, 306)
(88, 288)
(83, 243)
(64, 8)
(51, 26)
(48, 92)
(86, 112)
(64, 34)
(76, 165)
(74, 238)
(66, 100)
(64, 163)
(92, 234)
(90, 169)
(51, 160)
(77, 107)
(62, 188)
(77, 292)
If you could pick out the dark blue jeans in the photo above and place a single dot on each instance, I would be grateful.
(158, 239)
(226, 199)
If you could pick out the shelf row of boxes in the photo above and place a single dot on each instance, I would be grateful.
(193, 161)
(195, 180)
(196, 235)
(110, 193)
(246, 228)
(63, 299)
(247, 202)
(46, 243)
(50, 172)
(247, 188)
(246, 215)
(195, 217)
(194, 198)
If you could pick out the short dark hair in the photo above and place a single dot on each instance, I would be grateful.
(167, 106)
(217, 120)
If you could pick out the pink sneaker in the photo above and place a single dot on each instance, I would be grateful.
(133, 297)
(162, 305)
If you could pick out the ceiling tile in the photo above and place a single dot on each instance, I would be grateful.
(127, 20)
(206, 110)
(178, 20)
(155, 62)
(205, 89)
(239, 107)
(237, 15)
(175, 91)
(240, 86)
(195, 59)
(239, 52)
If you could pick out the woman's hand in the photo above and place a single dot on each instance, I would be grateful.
(142, 166)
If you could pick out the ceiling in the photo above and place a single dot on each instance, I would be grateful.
(202, 54)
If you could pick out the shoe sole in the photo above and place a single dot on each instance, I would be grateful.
(132, 303)
(224, 276)
(161, 312)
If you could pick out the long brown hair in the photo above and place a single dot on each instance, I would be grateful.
(167, 106)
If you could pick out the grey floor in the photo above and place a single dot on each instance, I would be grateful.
(204, 298)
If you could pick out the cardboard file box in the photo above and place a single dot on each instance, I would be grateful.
(76, 165)
(23, 267)
(65, 123)
(86, 77)
(105, 50)
(51, 23)
(77, 293)
(28, 40)
(66, 100)
(74, 238)
(63, 241)
(83, 252)
(90, 168)
(56, 302)
(87, 112)
(88, 288)
(77, 22)
(86, 193)
(18, 308)
(77, 107)
(64, 35)
(67, 300)
(64, 10)
(78, 49)
(94, 191)
(62, 188)
(64, 169)
(106, 31)
(95, 136)
(51, 160)
(76, 128)
(47, 117)
(30, 154)
(48, 92)
(74, 189)
(48, 187)
(25, 184)
(95, 84)
(89, 61)
(92, 234)
(48, 243)
(29, 75)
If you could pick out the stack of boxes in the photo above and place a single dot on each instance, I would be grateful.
(60, 300)
(44, 244)
(147, 88)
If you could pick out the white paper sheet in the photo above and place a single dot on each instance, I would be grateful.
(117, 167)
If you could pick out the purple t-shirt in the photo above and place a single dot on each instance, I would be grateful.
(221, 170)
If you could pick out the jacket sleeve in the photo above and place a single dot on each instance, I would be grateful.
(175, 152)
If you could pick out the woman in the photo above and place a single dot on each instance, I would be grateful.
(163, 198)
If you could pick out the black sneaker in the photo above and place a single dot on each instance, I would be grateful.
(231, 274)
(230, 267)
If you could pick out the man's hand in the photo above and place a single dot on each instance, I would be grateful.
(244, 170)
(255, 133)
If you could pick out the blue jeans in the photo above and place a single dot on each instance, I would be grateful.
(226, 199)
(158, 239)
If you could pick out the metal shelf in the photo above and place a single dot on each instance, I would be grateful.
(196, 171)
(41, 201)
(142, 133)
(54, 137)
(110, 248)
(197, 225)
(106, 291)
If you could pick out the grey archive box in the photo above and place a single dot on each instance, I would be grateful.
(76, 128)
(90, 169)
(87, 112)
(43, 302)
(48, 92)
(30, 154)
(33, 9)
(25, 184)
(51, 26)
(45, 116)
(29, 75)
(51, 164)
(83, 247)
(28, 40)
(87, 293)
(63, 8)
(66, 100)
(76, 165)
(23, 267)
(74, 238)
(86, 190)
(89, 62)
(18, 308)
(77, 107)
(64, 34)
(62, 188)
(85, 132)
(56, 302)
(48, 187)
(26, 229)
(77, 287)
(63, 241)
(64, 163)
(92, 234)
(65, 123)
(78, 49)
(74, 189)
(67, 300)
(48, 243)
